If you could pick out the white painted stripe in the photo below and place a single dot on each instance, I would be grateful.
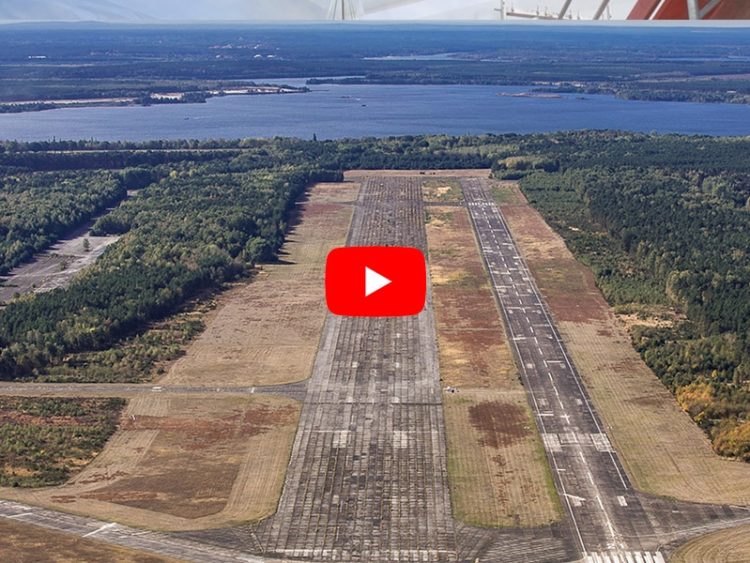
(19, 515)
(100, 529)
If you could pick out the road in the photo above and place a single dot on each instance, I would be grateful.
(123, 536)
(129, 390)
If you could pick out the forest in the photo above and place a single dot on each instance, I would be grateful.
(203, 215)
(663, 221)
(38, 208)
(39, 64)
(196, 228)
(43, 441)
(670, 233)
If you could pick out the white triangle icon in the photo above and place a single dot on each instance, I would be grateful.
(374, 281)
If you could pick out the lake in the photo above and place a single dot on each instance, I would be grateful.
(339, 111)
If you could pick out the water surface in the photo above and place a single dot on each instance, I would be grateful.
(338, 111)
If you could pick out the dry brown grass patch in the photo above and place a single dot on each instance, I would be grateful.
(215, 444)
(185, 463)
(497, 469)
(266, 332)
(726, 546)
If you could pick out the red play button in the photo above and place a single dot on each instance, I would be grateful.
(376, 281)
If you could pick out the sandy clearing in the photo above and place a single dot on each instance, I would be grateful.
(56, 266)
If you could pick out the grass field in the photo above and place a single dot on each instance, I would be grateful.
(25, 543)
(726, 546)
(497, 469)
(195, 462)
(441, 190)
(182, 463)
(266, 332)
(663, 451)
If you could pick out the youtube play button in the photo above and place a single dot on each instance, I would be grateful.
(376, 281)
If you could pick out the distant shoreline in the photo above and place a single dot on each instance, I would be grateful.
(22, 106)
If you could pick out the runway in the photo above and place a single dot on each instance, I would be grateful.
(605, 515)
(368, 477)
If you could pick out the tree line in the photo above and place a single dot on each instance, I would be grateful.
(673, 231)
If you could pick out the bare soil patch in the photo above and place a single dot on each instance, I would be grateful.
(23, 543)
(663, 451)
(57, 266)
(500, 424)
(266, 332)
(497, 469)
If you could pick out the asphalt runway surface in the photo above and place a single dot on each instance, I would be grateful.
(604, 513)
(607, 518)
(368, 474)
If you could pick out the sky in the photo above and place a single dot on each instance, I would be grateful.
(257, 10)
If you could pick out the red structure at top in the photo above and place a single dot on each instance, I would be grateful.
(690, 9)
